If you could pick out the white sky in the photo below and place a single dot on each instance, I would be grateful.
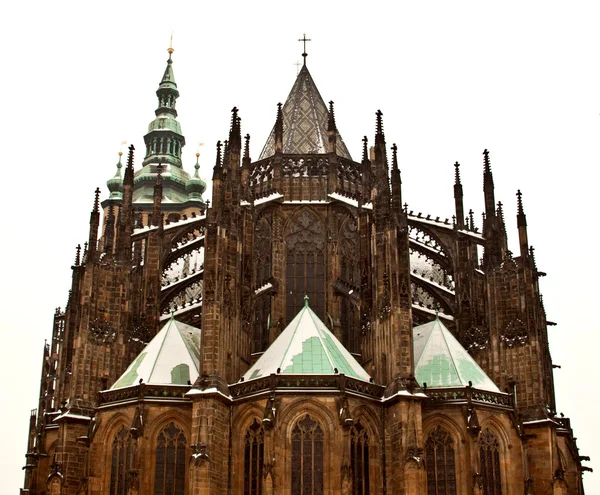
(452, 78)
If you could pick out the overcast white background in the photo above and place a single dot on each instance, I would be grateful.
(452, 78)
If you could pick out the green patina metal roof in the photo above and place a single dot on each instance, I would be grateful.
(306, 347)
(442, 362)
(305, 118)
(171, 358)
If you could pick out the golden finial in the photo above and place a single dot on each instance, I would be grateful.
(171, 49)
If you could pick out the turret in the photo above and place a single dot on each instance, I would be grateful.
(126, 213)
(115, 184)
(488, 187)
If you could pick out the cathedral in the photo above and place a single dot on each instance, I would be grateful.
(304, 332)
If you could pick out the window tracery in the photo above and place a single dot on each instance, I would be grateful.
(489, 456)
(440, 462)
(254, 459)
(305, 265)
(307, 458)
(121, 457)
(359, 459)
(170, 465)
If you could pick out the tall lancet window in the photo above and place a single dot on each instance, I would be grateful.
(439, 460)
(169, 472)
(307, 458)
(121, 458)
(305, 265)
(489, 457)
(254, 449)
(359, 459)
(263, 274)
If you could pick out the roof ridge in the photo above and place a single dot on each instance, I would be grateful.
(311, 312)
(287, 349)
(450, 353)
(160, 349)
(185, 343)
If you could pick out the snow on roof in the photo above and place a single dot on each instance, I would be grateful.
(442, 362)
(171, 358)
(306, 347)
(266, 199)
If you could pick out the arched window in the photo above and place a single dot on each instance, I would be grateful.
(305, 265)
(489, 456)
(359, 459)
(254, 448)
(120, 464)
(307, 458)
(439, 459)
(169, 471)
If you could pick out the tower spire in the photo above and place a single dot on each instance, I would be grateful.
(164, 140)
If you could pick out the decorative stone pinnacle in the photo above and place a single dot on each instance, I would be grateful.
(306, 300)
(457, 173)
(96, 200)
(520, 203)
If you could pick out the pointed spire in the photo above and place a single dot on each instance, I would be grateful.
(395, 157)
(457, 174)
(396, 183)
(279, 130)
(96, 208)
(331, 121)
(304, 40)
(522, 226)
(247, 147)
(78, 255)
(458, 197)
(94, 222)
(379, 135)
(331, 130)
(128, 179)
(302, 127)
(488, 192)
(365, 153)
(235, 135)
(109, 230)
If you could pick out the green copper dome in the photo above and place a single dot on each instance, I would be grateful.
(115, 184)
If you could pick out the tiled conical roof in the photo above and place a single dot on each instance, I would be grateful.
(306, 347)
(440, 360)
(305, 118)
(171, 358)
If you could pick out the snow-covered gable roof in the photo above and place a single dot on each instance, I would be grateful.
(442, 362)
(306, 347)
(171, 358)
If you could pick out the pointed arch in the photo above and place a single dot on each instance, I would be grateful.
(120, 461)
(489, 462)
(307, 457)
(359, 459)
(254, 458)
(170, 460)
(440, 462)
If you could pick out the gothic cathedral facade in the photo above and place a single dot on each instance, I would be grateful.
(302, 333)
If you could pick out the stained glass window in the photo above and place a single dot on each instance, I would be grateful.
(307, 458)
(359, 459)
(169, 472)
(439, 459)
(121, 457)
(489, 456)
(254, 447)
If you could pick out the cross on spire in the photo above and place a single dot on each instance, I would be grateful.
(304, 40)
